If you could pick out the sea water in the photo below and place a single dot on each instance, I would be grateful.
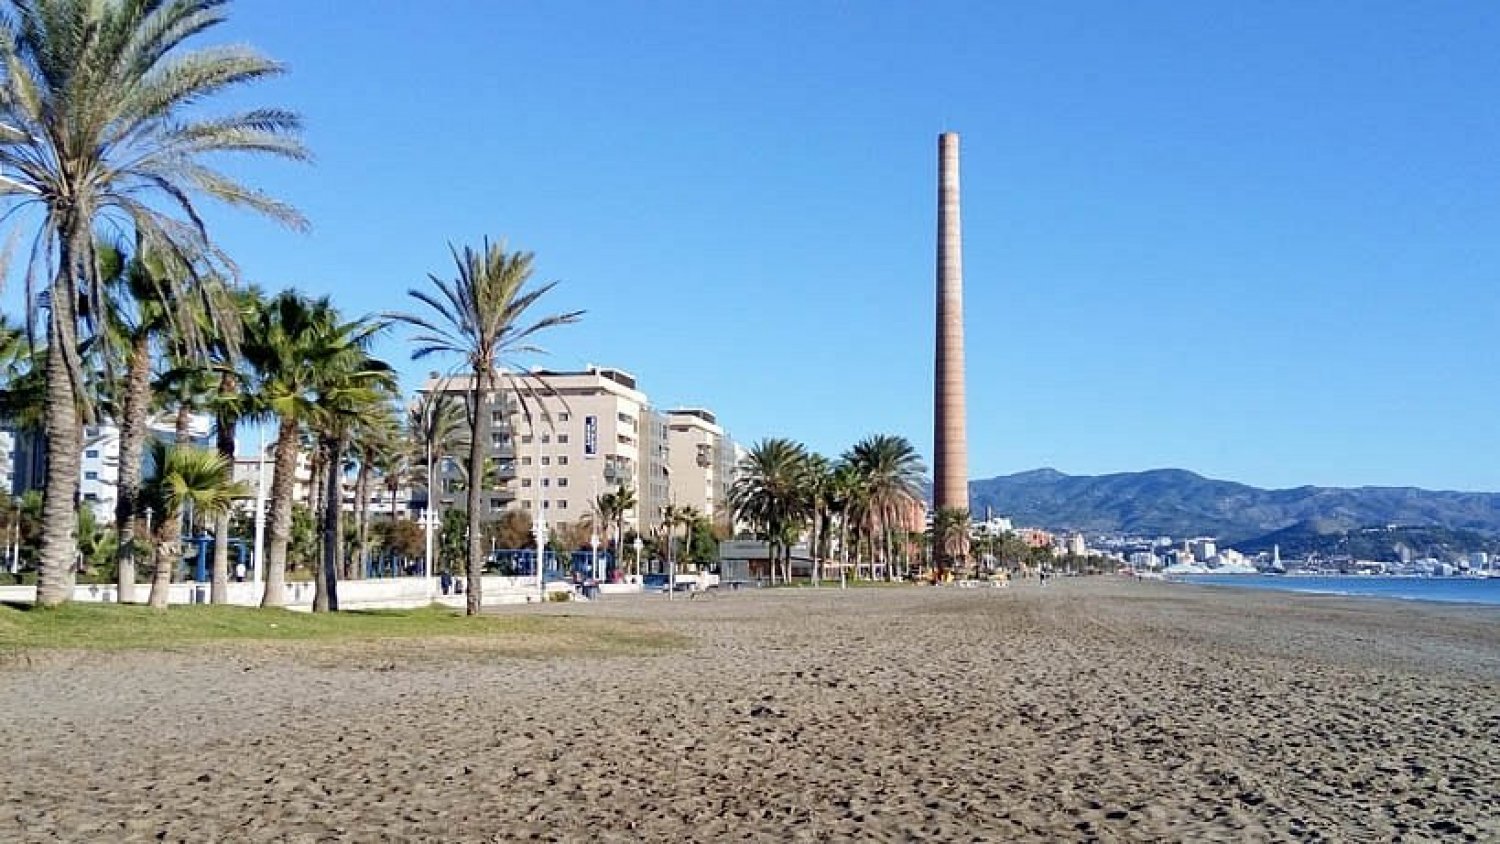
(1469, 590)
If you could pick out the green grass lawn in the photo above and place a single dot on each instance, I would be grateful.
(116, 627)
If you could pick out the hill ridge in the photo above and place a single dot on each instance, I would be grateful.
(1179, 502)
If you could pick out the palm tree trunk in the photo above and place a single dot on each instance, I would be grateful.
(55, 556)
(478, 441)
(812, 543)
(355, 568)
(168, 554)
(326, 597)
(180, 430)
(315, 486)
(279, 527)
(133, 419)
(224, 428)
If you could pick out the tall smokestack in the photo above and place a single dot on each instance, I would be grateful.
(950, 444)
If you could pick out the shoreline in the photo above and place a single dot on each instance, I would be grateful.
(1096, 708)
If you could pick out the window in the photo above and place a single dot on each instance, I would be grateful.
(562, 439)
(497, 503)
(89, 496)
(91, 476)
(525, 461)
(525, 505)
(526, 439)
(497, 418)
(562, 460)
(562, 504)
(526, 482)
(546, 461)
(563, 417)
(546, 482)
(93, 452)
(546, 438)
(562, 481)
(546, 505)
(497, 439)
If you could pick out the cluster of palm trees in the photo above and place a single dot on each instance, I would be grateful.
(863, 509)
(106, 152)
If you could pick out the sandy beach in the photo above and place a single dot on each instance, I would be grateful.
(1099, 709)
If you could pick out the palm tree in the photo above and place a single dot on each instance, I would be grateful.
(768, 494)
(293, 344)
(230, 404)
(817, 486)
(478, 317)
(688, 517)
(139, 313)
(352, 386)
(950, 538)
(435, 421)
(845, 497)
(890, 473)
(187, 478)
(375, 440)
(100, 123)
(615, 505)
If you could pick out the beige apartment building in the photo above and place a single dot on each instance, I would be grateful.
(580, 434)
(702, 462)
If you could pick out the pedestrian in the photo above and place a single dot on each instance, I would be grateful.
(446, 581)
(239, 572)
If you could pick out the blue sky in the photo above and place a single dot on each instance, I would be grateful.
(1258, 241)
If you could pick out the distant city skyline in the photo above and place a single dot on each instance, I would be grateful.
(1255, 243)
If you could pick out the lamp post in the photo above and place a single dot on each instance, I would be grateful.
(541, 549)
(257, 561)
(150, 540)
(671, 565)
(427, 568)
(594, 555)
(639, 546)
(15, 544)
(541, 512)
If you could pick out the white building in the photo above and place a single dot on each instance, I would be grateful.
(1077, 546)
(994, 526)
(99, 468)
(7, 460)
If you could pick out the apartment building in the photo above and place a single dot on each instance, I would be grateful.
(99, 467)
(576, 435)
(251, 473)
(702, 462)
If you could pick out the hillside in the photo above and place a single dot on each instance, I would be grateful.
(1176, 502)
(1325, 538)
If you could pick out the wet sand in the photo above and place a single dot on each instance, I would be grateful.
(1096, 709)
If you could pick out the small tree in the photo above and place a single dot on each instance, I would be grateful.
(195, 480)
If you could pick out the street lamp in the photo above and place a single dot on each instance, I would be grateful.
(541, 547)
(639, 545)
(258, 561)
(594, 554)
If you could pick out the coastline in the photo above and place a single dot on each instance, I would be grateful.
(1094, 708)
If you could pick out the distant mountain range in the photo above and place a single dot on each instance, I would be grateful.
(1179, 503)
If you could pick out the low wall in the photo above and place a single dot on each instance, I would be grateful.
(386, 593)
